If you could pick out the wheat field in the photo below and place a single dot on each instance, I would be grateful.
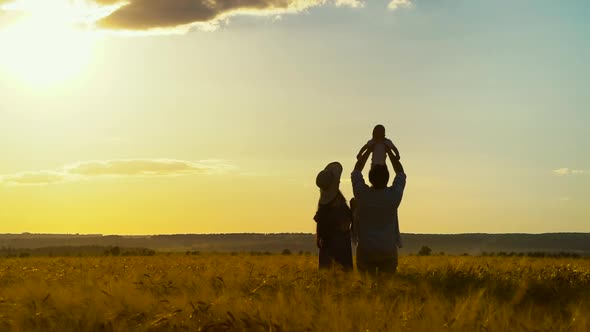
(221, 292)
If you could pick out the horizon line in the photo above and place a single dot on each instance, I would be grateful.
(272, 233)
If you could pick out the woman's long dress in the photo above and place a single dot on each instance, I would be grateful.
(334, 224)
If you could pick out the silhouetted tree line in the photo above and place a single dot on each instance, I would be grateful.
(532, 254)
(427, 251)
(80, 251)
(453, 244)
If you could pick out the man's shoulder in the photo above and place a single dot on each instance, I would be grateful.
(358, 181)
(399, 182)
(357, 176)
(400, 178)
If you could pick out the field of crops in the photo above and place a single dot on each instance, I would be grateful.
(217, 292)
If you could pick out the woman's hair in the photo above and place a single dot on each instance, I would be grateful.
(340, 196)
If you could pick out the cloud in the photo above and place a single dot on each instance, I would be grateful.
(117, 168)
(567, 171)
(132, 167)
(140, 15)
(395, 4)
(162, 16)
(33, 178)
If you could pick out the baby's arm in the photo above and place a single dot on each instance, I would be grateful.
(363, 149)
(393, 148)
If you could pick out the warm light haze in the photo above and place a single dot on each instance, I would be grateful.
(150, 117)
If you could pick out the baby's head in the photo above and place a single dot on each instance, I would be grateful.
(379, 132)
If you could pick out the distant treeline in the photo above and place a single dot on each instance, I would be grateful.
(454, 244)
(75, 251)
(532, 254)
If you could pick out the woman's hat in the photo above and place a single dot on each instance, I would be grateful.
(328, 181)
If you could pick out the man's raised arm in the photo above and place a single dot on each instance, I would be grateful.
(359, 187)
(399, 182)
(362, 159)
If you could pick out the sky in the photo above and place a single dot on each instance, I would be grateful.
(178, 116)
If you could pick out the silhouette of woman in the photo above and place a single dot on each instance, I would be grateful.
(334, 220)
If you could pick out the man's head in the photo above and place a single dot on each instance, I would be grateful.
(379, 132)
(379, 176)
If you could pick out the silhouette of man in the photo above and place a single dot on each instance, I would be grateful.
(376, 218)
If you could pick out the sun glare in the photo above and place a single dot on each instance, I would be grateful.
(50, 43)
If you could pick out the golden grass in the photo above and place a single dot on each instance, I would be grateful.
(274, 293)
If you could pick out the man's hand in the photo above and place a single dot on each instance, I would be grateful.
(319, 241)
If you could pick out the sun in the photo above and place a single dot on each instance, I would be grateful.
(49, 44)
(44, 55)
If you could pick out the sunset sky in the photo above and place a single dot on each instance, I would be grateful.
(204, 116)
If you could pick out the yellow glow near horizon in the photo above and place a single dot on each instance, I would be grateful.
(50, 43)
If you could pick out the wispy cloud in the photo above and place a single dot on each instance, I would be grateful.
(396, 4)
(133, 167)
(33, 178)
(117, 168)
(567, 171)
